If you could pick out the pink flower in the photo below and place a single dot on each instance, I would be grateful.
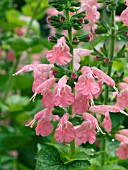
(122, 151)
(107, 123)
(41, 89)
(89, 2)
(124, 132)
(124, 16)
(65, 131)
(122, 99)
(125, 79)
(47, 98)
(44, 127)
(60, 53)
(86, 131)
(86, 84)
(92, 14)
(78, 53)
(103, 77)
(104, 110)
(123, 85)
(80, 105)
(63, 95)
(41, 73)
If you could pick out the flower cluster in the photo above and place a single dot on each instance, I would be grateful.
(63, 83)
(59, 93)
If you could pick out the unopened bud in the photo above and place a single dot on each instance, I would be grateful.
(50, 38)
(97, 57)
(75, 39)
(62, 19)
(90, 37)
(81, 20)
(48, 19)
(106, 60)
(74, 76)
(54, 72)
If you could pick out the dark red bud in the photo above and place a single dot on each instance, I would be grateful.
(81, 20)
(97, 57)
(50, 23)
(90, 37)
(75, 39)
(54, 72)
(48, 19)
(106, 60)
(50, 38)
(62, 19)
(74, 76)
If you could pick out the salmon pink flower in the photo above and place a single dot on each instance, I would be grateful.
(60, 53)
(86, 84)
(44, 127)
(63, 95)
(80, 105)
(41, 73)
(125, 79)
(89, 2)
(78, 53)
(47, 98)
(92, 14)
(86, 131)
(123, 85)
(103, 77)
(41, 89)
(122, 151)
(122, 99)
(65, 131)
(104, 110)
(124, 17)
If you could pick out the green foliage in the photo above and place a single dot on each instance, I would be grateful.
(58, 157)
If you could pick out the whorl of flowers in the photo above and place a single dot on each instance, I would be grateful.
(63, 83)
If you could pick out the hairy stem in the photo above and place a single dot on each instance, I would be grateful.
(112, 47)
(67, 13)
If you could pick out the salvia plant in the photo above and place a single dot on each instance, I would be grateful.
(78, 101)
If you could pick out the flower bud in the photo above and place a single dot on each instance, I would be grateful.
(90, 37)
(97, 58)
(106, 60)
(62, 19)
(74, 76)
(54, 72)
(81, 20)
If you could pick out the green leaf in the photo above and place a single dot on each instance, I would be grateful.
(54, 156)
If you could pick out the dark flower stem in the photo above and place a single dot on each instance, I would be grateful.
(112, 47)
